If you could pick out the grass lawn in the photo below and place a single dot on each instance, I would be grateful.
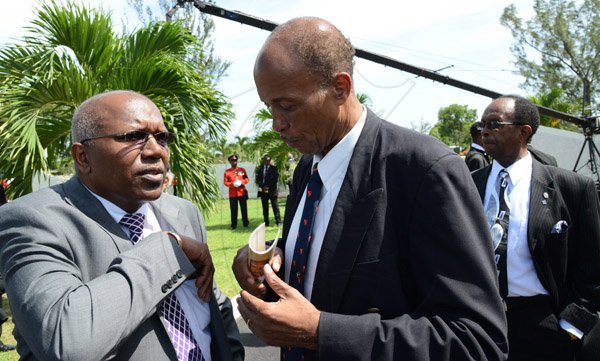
(223, 243)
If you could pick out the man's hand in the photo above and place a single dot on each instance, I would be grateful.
(198, 254)
(291, 321)
(249, 277)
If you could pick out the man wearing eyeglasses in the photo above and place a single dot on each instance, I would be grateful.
(545, 226)
(106, 265)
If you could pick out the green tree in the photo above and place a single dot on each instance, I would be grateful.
(563, 36)
(554, 99)
(453, 125)
(200, 25)
(268, 141)
(72, 53)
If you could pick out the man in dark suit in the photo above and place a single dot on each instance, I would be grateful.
(545, 222)
(93, 267)
(385, 251)
(476, 157)
(266, 179)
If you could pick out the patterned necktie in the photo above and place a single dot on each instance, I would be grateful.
(135, 223)
(502, 220)
(175, 322)
(179, 330)
(301, 250)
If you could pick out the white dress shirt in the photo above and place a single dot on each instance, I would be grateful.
(332, 170)
(197, 312)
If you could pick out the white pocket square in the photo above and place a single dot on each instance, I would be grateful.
(560, 227)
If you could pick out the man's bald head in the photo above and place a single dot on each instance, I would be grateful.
(313, 42)
(88, 117)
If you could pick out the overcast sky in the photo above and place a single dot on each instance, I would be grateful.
(462, 37)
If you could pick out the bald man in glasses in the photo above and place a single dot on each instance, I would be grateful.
(96, 268)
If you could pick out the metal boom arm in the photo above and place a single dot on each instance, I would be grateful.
(246, 19)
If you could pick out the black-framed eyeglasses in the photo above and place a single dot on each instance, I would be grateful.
(138, 137)
(494, 124)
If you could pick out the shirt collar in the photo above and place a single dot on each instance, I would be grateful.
(339, 156)
(115, 211)
(516, 171)
(477, 146)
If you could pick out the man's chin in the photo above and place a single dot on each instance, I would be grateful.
(152, 192)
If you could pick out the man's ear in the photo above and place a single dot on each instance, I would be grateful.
(526, 131)
(342, 85)
(80, 158)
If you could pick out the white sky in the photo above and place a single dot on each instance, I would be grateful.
(464, 34)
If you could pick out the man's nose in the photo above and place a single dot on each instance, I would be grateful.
(151, 146)
(279, 124)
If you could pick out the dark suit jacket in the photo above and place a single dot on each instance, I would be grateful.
(269, 180)
(567, 264)
(406, 269)
(476, 159)
(80, 290)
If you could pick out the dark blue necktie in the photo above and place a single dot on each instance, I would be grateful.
(301, 250)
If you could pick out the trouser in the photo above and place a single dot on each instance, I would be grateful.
(534, 333)
(233, 206)
(265, 208)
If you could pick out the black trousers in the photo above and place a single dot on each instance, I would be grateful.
(534, 333)
(265, 208)
(233, 207)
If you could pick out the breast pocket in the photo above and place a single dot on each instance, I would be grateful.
(358, 294)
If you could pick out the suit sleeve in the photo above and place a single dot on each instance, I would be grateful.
(454, 311)
(63, 317)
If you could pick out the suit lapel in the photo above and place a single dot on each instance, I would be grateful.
(81, 198)
(170, 214)
(540, 203)
(480, 178)
(349, 221)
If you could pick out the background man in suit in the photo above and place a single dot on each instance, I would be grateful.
(84, 286)
(266, 179)
(546, 223)
(476, 157)
(398, 264)
(235, 178)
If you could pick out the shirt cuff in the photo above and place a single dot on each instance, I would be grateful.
(565, 325)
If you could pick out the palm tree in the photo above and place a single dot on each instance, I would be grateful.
(72, 53)
(554, 99)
